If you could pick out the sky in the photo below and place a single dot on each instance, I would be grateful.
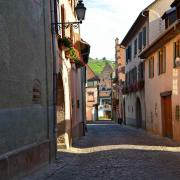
(107, 19)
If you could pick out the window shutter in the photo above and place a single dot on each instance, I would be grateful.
(127, 56)
(164, 59)
(153, 66)
(150, 67)
(135, 47)
(140, 41)
(129, 52)
(144, 36)
(158, 63)
(174, 54)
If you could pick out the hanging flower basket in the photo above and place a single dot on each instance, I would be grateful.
(64, 43)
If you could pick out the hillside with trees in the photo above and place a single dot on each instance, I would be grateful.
(97, 65)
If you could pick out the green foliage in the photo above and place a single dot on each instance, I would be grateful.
(64, 42)
(74, 57)
(72, 53)
(97, 65)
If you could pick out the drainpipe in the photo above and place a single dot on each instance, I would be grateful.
(53, 2)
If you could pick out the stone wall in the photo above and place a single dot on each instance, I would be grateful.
(25, 50)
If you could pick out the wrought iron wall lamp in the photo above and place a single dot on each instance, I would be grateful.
(80, 10)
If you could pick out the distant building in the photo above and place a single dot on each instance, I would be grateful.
(98, 93)
(118, 82)
(92, 87)
(105, 92)
(162, 77)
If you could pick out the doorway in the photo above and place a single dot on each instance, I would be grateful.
(167, 116)
(138, 114)
(60, 112)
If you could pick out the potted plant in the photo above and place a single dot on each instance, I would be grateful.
(64, 42)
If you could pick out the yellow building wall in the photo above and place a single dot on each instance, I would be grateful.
(169, 81)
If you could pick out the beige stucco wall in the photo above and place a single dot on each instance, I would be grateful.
(71, 80)
(169, 81)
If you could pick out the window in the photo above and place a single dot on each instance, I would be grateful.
(141, 71)
(135, 47)
(90, 84)
(140, 41)
(177, 53)
(36, 92)
(178, 12)
(151, 67)
(172, 17)
(128, 54)
(90, 96)
(144, 36)
(162, 60)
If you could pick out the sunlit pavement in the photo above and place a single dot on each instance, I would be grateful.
(112, 151)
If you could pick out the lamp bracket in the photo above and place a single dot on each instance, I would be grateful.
(66, 25)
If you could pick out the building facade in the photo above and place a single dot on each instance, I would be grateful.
(162, 77)
(147, 27)
(73, 56)
(40, 108)
(118, 82)
(105, 93)
(92, 94)
(26, 87)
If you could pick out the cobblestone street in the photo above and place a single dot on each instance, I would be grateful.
(112, 151)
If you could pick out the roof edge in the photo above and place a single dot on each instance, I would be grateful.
(141, 15)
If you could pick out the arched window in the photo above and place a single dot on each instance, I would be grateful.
(36, 92)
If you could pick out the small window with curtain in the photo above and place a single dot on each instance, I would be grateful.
(151, 67)
(162, 60)
(177, 53)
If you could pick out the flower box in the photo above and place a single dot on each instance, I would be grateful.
(64, 43)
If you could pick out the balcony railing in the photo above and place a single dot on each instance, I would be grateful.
(136, 86)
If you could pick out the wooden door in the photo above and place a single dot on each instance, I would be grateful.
(167, 116)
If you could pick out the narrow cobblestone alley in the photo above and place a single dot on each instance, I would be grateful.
(112, 151)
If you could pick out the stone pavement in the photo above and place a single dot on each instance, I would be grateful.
(113, 152)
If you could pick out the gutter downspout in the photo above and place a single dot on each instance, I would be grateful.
(54, 77)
